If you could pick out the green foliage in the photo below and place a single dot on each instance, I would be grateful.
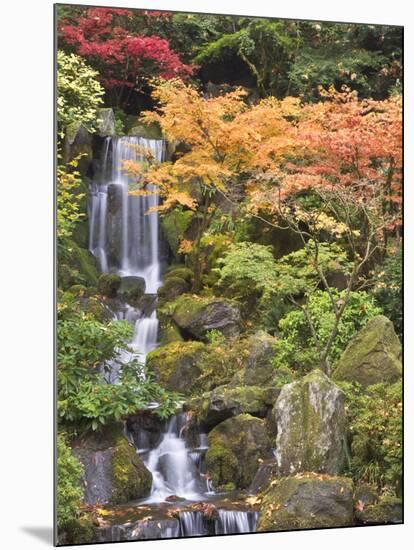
(247, 268)
(69, 491)
(79, 94)
(68, 199)
(296, 348)
(388, 289)
(215, 337)
(376, 434)
(87, 349)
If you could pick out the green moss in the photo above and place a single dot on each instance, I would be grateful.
(173, 286)
(372, 356)
(174, 224)
(177, 270)
(109, 284)
(131, 479)
(307, 501)
(169, 333)
(388, 510)
(235, 448)
(83, 261)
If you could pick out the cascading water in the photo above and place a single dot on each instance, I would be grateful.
(124, 237)
(124, 232)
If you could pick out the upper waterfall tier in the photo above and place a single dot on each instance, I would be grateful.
(124, 237)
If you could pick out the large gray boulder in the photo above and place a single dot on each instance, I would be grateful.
(311, 427)
(236, 447)
(307, 501)
(114, 473)
(197, 316)
(372, 356)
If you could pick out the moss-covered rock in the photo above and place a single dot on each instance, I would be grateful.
(80, 267)
(306, 501)
(311, 426)
(109, 284)
(179, 270)
(173, 286)
(132, 289)
(196, 315)
(169, 332)
(113, 472)
(224, 402)
(174, 225)
(177, 365)
(388, 510)
(148, 131)
(372, 356)
(235, 448)
(258, 368)
(131, 479)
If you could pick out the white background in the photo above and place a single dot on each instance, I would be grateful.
(26, 290)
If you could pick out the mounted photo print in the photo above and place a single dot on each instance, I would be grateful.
(229, 274)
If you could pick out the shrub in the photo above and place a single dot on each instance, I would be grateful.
(375, 419)
(79, 93)
(388, 289)
(69, 491)
(296, 348)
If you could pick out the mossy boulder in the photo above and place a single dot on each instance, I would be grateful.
(148, 131)
(372, 356)
(388, 510)
(311, 426)
(196, 316)
(172, 288)
(306, 501)
(81, 267)
(181, 271)
(225, 402)
(169, 332)
(258, 368)
(109, 284)
(177, 365)
(113, 472)
(236, 447)
(132, 289)
(174, 225)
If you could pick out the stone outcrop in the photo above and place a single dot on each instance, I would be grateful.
(311, 430)
(372, 356)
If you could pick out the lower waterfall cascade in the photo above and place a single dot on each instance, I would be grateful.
(125, 239)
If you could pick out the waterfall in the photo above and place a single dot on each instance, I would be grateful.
(192, 524)
(124, 236)
(175, 468)
(235, 521)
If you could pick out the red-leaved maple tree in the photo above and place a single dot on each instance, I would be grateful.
(125, 59)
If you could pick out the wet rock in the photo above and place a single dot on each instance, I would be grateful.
(225, 401)
(145, 429)
(140, 530)
(235, 448)
(132, 289)
(372, 356)
(306, 501)
(197, 316)
(311, 428)
(365, 494)
(114, 473)
(388, 510)
(174, 224)
(106, 122)
(266, 472)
